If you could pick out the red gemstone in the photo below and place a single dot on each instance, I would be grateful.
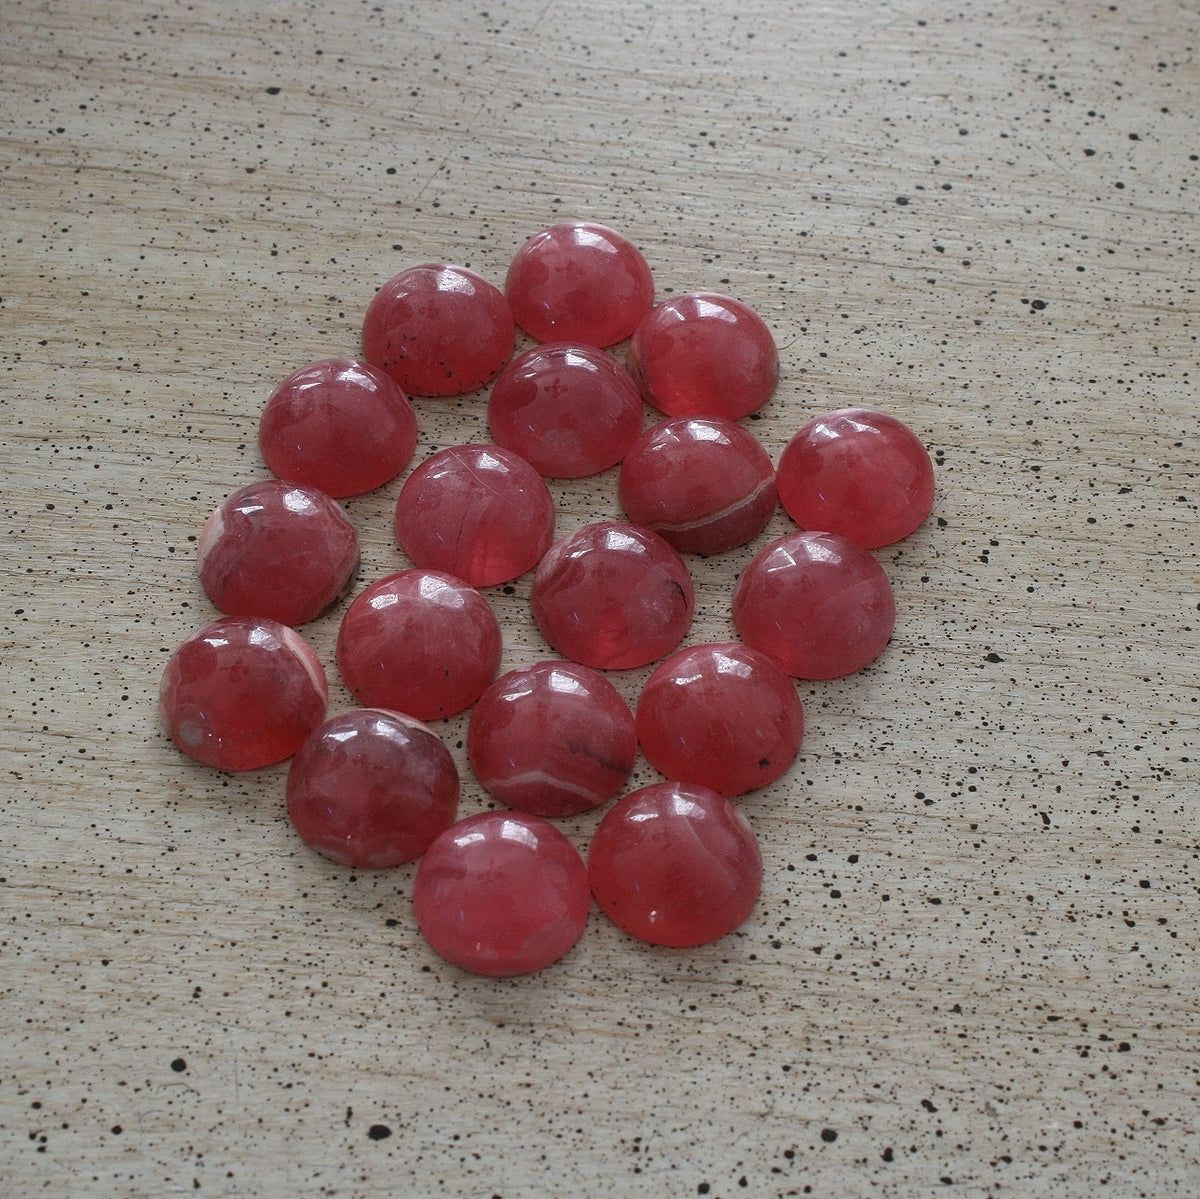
(478, 512)
(613, 596)
(816, 604)
(723, 716)
(554, 739)
(372, 788)
(702, 483)
(243, 692)
(581, 282)
(501, 893)
(338, 425)
(859, 473)
(278, 550)
(439, 330)
(571, 410)
(704, 354)
(419, 642)
(675, 864)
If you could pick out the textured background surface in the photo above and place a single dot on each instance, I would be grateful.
(972, 966)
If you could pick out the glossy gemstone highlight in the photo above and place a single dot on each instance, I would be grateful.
(279, 550)
(419, 642)
(816, 604)
(612, 596)
(372, 788)
(675, 864)
(242, 692)
(478, 512)
(439, 330)
(339, 425)
(721, 715)
(704, 354)
(569, 409)
(857, 472)
(700, 482)
(554, 739)
(579, 281)
(501, 893)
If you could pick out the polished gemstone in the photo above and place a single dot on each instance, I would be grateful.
(579, 281)
(372, 788)
(419, 642)
(501, 893)
(857, 472)
(704, 354)
(700, 482)
(613, 596)
(439, 330)
(553, 738)
(816, 604)
(242, 692)
(722, 715)
(478, 512)
(570, 409)
(339, 425)
(277, 549)
(675, 864)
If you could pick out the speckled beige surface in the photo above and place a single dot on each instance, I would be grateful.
(973, 965)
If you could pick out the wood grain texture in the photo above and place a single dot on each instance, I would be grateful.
(973, 963)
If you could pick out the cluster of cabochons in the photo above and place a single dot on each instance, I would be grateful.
(674, 863)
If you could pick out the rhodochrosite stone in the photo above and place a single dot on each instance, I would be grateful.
(242, 692)
(613, 596)
(721, 715)
(419, 642)
(554, 739)
(859, 473)
(501, 893)
(439, 330)
(815, 603)
(702, 483)
(675, 864)
(339, 425)
(579, 281)
(571, 410)
(478, 512)
(372, 788)
(279, 550)
(704, 354)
